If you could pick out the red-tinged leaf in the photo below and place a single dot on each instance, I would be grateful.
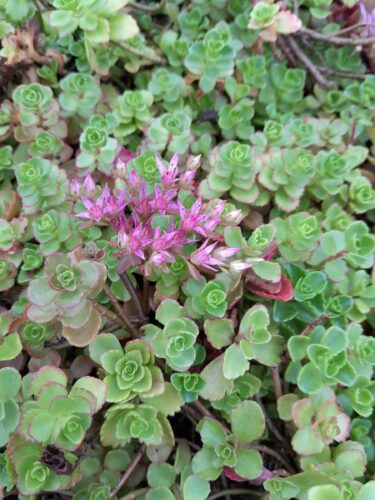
(233, 476)
(285, 293)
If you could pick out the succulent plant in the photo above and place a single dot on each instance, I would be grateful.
(132, 111)
(130, 371)
(171, 131)
(41, 185)
(10, 415)
(64, 294)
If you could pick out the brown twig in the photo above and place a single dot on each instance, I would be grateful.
(286, 51)
(313, 324)
(276, 382)
(134, 296)
(129, 470)
(343, 74)
(108, 313)
(336, 40)
(307, 62)
(120, 312)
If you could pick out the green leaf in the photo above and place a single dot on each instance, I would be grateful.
(220, 332)
(160, 494)
(10, 383)
(310, 379)
(284, 406)
(324, 492)
(103, 343)
(211, 431)
(196, 488)
(242, 415)
(235, 363)
(10, 347)
(168, 310)
(216, 385)
(161, 475)
(168, 403)
(249, 463)
(122, 27)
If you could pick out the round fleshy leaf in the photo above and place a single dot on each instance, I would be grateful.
(161, 475)
(196, 488)
(241, 416)
(10, 383)
(310, 379)
(103, 343)
(249, 463)
(167, 310)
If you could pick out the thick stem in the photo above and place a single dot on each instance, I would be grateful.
(307, 62)
(134, 295)
(141, 53)
(336, 40)
(276, 382)
(120, 312)
(110, 314)
(129, 470)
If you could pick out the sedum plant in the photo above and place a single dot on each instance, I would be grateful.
(187, 254)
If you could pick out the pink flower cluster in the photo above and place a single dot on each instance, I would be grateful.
(131, 212)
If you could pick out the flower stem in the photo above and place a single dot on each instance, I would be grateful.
(129, 470)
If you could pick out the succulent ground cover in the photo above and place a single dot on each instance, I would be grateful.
(187, 278)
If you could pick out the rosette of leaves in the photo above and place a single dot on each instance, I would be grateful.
(168, 285)
(192, 22)
(49, 147)
(35, 335)
(32, 261)
(188, 385)
(65, 293)
(361, 195)
(328, 363)
(332, 169)
(359, 287)
(212, 58)
(100, 23)
(253, 70)
(97, 150)
(244, 388)
(205, 299)
(222, 450)
(128, 372)
(269, 20)
(10, 381)
(11, 234)
(36, 110)
(174, 47)
(127, 421)
(234, 170)
(41, 185)
(56, 231)
(297, 236)
(235, 120)
(57, 416)
(361, 396)
(32, 474)
(319, 419)
(132, 111)
(283, 90)
(286, 173)
(168, 87)
(80, 93)
(254, 341)
(10, 344)
(170, 131)
(146, 167)
(176, 341)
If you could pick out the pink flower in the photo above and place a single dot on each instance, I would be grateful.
(203, 258)
(89, 186)
(162, 202)
(367, 18)
(75, 187)
(168, 175)
(123, 158)
(95, 209)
